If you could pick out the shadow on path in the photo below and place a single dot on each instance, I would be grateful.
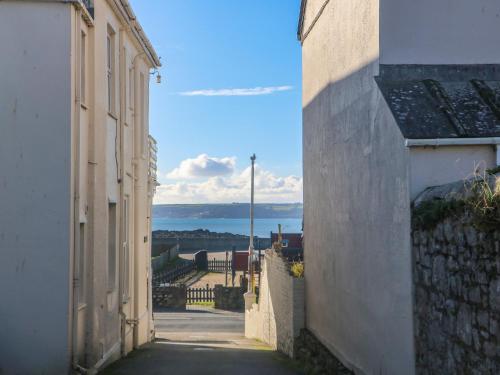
(202, 341)
(164, 357)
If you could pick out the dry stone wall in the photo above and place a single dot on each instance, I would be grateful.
(457, 297)
(169, 297)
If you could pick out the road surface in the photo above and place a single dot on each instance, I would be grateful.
(202, 341)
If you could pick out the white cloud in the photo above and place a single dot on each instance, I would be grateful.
(203, 166)
(269, 188)
(237, 92)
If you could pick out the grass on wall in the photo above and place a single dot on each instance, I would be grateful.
(483, 204)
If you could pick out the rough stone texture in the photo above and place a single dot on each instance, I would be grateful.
(170, 296)
(229, 298)
(279, 316)
(457, 294)
(315, 357)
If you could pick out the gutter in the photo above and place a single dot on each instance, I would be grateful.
(125, 11)
(437, 142)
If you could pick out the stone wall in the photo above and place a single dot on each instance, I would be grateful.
(211, 244)
(279, 316)
(166, 255)
(229, 298)
(169, 296)
(457, 296)
(315, 357)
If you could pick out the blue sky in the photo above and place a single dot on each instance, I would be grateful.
(231, 87)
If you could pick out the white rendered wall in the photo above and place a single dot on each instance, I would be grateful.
(433, 166)
(439, 31)
(357, 253)
(35, 162)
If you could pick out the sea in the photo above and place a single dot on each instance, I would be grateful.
(262, 227)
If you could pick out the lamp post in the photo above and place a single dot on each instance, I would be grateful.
(250, 294)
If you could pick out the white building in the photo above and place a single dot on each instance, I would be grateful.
(398, 96)
(76, 184)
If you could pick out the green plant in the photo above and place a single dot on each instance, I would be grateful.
(428, 214)
(483, 204)
(492, 171)
(297, 269)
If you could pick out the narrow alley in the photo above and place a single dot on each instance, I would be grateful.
(202, 340)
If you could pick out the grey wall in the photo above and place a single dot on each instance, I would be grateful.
(439, 31)
(356, 198)
(34, 187)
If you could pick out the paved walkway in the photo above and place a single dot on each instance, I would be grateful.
(202, 341)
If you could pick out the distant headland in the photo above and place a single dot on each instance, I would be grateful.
(228, 211)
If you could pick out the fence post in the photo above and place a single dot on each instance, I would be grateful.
(225, 264)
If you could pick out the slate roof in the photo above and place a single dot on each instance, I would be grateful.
(443, 101)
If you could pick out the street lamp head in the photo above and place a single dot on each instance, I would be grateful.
(253, 157)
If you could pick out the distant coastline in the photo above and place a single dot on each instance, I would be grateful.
(228, 211)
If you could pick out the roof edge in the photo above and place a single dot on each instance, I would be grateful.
(300, 25)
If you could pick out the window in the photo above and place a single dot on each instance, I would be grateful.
(83, 66)
(126, 252)
(110, 63)
(111, 246)
(81, 266)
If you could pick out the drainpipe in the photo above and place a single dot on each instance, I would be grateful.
(135, 167)
(437, 142)
(76, 191)
(119, 130)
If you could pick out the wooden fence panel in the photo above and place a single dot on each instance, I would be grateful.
(199, 295)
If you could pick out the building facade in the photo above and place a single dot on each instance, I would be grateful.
(397, 96)
(78, 175)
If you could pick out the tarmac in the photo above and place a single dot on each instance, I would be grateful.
(202, 340)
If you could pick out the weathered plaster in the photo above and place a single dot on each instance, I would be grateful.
(439, 31)
(356, 198)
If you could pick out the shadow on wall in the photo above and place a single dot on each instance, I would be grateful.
(357, 225)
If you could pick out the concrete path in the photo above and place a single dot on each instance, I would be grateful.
(202, 341)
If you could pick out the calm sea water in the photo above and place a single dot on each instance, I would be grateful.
(263, 227)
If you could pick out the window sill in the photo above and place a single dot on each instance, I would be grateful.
(81, 306)
(112, 116)
(84, 106)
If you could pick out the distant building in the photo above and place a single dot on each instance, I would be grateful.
(398, 95)
(291, 244)
(77, 176)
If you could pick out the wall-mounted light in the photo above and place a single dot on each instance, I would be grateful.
(158, 75)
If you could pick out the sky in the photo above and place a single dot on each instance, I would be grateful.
(231, 87)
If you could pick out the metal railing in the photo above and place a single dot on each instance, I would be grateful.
(170, 276)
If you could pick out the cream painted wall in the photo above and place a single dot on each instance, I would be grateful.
(439, 31)
(433, 166)
(55, 152)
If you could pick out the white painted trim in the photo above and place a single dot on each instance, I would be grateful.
(436, 142)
